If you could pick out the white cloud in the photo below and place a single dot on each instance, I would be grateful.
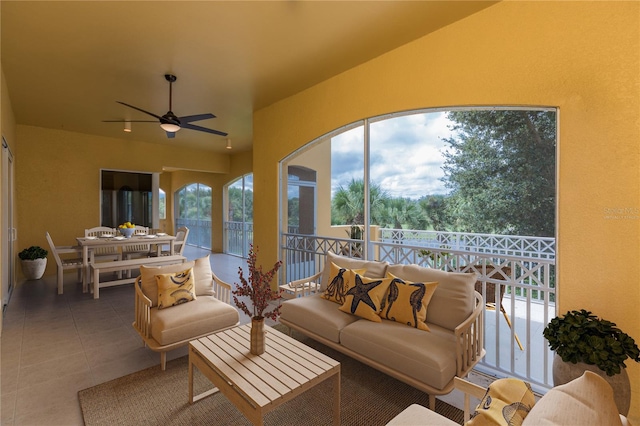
(406, 155)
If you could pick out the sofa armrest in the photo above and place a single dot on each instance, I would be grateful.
(222, 289)
(302, 287)
(142, 322)
(470, 339)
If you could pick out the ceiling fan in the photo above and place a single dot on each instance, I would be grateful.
(169, 122)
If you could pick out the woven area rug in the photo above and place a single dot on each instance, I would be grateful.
(154, 397)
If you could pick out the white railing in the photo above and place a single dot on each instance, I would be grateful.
(525, 281)
(238, 236)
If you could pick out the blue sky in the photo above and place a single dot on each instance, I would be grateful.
(406, 155)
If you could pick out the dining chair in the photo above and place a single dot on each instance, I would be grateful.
(178, 244)
(499, 273)
(108, 253)
(66, 263)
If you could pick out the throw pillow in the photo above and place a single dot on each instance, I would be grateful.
(204, 277)
(365, 297)
(340, 281)
(148, 274)
(372, 268)
(407, 302)
(175, 288)
(506, 402)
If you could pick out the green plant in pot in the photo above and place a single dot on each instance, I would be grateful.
(582, 341)
(34, 262)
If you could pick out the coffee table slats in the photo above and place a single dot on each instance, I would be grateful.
(318, 358)
(250, 366)
(290, 377)
(239, 383)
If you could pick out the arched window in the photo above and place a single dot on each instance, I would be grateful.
(193, 210)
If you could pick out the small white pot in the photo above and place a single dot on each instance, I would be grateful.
(33, 269)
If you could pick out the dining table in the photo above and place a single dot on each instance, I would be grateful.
(105, 240)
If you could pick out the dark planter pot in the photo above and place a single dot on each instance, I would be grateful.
(564, 372)
(33, 269)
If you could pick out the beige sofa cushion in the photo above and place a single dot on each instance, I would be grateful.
(453, 300)
(373, 269)
(418, 415)
(202, 316)
(587, 400)
(317, 315)
(426, 357)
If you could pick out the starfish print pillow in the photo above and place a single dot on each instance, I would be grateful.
(365, 297)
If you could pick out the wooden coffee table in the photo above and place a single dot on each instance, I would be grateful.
(256, 384)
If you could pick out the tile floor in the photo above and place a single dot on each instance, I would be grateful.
(53, 345)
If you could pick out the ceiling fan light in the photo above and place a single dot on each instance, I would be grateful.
(169, 127)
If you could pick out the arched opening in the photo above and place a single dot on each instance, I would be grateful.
(238, 225)
(193, 210)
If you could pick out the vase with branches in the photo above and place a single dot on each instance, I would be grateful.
(257, 287)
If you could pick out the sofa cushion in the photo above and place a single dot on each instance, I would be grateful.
(149, 285)
(365, 297)
(316, 314)
(587, 400)
(340, 281)
(507, 402)
(418, 415)
(175, 288)
(204, 315)
(203, 277)
(407, 303)
(425, 357)
(453, 299)
(373, 269)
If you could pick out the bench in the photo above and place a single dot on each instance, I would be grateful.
(123, 265)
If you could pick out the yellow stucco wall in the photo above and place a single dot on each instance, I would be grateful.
(58, 179)
(581, 57)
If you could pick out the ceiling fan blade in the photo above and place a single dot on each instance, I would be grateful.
(202, 129)
(141, 110)
(129, 121)
(197, 117)
(171, 135)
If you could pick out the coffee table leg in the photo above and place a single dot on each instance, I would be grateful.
(190, 378)
(336, 398)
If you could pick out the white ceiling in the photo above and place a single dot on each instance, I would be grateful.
(67, 63)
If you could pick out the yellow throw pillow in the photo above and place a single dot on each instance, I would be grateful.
(507, 402)
(175, 288)
(407, 302)
(365, 297)
(340, 281)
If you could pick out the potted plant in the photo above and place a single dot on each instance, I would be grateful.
(34, 262)
(582, 341)
(258, 289)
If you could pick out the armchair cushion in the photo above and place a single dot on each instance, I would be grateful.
(204, 315)
(175, 288)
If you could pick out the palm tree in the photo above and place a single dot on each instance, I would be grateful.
(347, 205)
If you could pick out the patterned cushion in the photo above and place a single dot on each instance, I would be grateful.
(506, 402)
(372, 268)
(175, 288)
(148, 274)
(365, 297)
(407, 302)
(340, 281)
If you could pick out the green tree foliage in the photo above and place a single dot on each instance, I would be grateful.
(501, 171)
(348, 204)
(235, 204)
